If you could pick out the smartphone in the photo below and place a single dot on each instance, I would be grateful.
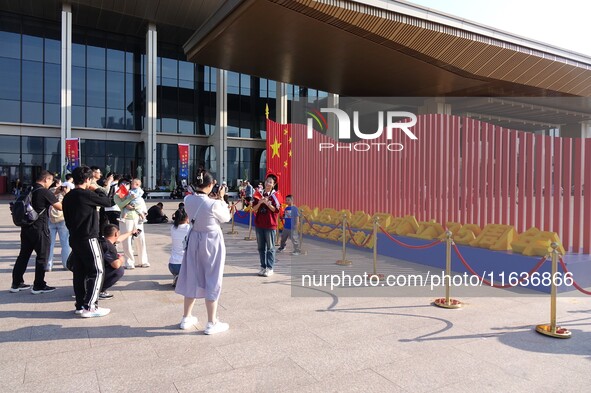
(216, 189)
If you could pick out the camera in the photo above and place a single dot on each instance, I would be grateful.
(216, 189)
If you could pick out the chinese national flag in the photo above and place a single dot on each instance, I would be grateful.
(279, 138)
(122, 191)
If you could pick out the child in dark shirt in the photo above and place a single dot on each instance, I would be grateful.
(113, 261)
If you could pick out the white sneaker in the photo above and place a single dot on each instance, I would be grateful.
(78, 312)
(188, 322)
(262, 272)
(95, 312)
(218, 327)
(269, 273)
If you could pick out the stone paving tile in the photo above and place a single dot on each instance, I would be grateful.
(161, 375)
(82, 382)
(279, 375)
(355, 382)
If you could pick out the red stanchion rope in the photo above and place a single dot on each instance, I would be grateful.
(574, 282)
(316, 230)
(239, 214)
(355, 242)
(486, 282)
(408, 245)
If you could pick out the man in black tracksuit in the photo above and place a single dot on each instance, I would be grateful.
(82, 219)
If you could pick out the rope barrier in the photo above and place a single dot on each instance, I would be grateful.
(486, 282)
(239, 214)
(316, 230)
(408, 245)
(577, 286)
(354, 241)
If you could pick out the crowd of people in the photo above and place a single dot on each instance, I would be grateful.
(91, 214)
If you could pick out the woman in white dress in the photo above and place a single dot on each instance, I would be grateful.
(203, 264)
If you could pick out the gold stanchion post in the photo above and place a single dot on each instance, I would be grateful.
(233, 231)
(447, 302)
(551, 329)
(375, 250)
(249, 237)
(343, 261)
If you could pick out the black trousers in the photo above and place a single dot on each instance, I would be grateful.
(88, 269)
(113, 217)
(111, 276)
(32, 239)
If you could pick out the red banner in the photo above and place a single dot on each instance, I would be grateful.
(184, 159)
(279, 140)
(72, 153)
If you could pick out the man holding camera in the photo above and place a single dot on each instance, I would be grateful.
(86, 260)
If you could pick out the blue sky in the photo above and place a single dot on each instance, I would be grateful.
(564, 23)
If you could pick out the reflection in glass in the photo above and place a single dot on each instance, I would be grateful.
(78, 86)
(10, 143)
(52, 51)
(78, 116)
(10, 87)
(115, 89)
(32, 112)
(95, 117)
(96, 57)
(10, 44)
(10, 111)
(52, 79)
(52, 114)
(95, 95)
(32, 48)
(32, 81)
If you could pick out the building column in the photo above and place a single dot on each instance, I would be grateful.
(281, 103)
(149, 131)
(331, 118)
(66, 83)
(219, 139)
(435, 106)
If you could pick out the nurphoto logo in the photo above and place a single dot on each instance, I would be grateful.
(388, 121)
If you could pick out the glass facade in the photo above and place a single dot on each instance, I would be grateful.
(168, 162)
(23, 157)
(120, 157)
(244, 164)
(30, 74)
(108, 81)
(109, 93)
(186, 94)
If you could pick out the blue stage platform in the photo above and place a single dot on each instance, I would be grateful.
(480, 260)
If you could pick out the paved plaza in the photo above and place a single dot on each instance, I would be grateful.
(278, 341)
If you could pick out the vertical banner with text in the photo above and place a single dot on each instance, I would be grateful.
(184, 159)
(72, 153)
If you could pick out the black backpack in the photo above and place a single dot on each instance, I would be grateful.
(22, 210)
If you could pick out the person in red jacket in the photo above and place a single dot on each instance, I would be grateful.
(266, 207)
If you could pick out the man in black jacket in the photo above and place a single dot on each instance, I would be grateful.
(82, 219)
(156, 214)
(36, 237)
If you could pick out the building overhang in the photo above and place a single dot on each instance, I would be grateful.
(382, 48)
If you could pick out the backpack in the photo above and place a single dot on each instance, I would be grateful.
(23, 214)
